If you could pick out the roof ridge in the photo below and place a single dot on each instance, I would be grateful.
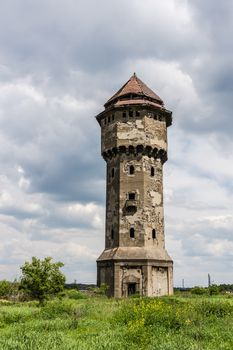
(140, 82)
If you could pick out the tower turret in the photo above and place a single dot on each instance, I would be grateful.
(134, 146)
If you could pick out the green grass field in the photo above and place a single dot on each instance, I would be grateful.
(168, 323)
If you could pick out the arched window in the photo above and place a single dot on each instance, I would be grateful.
(131, 170)
(131, 232)
(113, 172)
(153, 234)
(152, 171)
(124, 114)
(112, 233)
(130, 113)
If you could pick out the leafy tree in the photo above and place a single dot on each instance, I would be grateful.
(41, 278)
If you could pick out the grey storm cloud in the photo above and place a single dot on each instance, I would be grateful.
(59, 62)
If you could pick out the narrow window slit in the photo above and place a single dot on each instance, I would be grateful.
(153, 234)
(131, 232)
(131, 170)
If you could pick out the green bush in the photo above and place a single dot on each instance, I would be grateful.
(9, 290)
(102, 290)
(74, 294)
(5, 288)
(199, 290)
(213, 289)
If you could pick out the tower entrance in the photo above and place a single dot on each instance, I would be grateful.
(131, 288)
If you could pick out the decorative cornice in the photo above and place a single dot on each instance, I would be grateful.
(157, 153)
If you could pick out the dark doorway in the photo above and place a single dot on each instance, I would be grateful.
(131, 288)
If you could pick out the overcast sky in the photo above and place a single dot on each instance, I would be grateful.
(60, 60)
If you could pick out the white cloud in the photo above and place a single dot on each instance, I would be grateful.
(220, 221)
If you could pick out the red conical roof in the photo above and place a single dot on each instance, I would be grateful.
(135, 87)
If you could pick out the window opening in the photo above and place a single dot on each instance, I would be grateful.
(153, 234)
(131, 232)
(109, 119)
(124, 115)
(112, 233)
(137, 113)
(130, 113)
(131, 170)
(152, 171)
(131, 196)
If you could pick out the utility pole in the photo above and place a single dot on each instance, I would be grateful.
(209, 280)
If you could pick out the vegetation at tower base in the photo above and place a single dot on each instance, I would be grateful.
(41, 279)
(211, 290)
(166, 323)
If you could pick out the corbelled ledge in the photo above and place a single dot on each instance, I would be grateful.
(136, 150)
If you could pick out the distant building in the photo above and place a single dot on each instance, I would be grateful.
(134, 146)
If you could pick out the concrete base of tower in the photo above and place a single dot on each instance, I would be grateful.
(144, 277)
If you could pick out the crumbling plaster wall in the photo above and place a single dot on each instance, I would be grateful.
(128, 131)
(137, 130)
(146, 130)
(149, 201)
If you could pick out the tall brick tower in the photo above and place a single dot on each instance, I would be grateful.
(134, 146)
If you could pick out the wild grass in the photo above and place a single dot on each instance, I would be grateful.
(168, 323)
